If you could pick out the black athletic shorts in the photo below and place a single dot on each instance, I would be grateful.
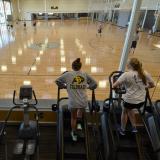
(99, 31)
(134, 44)
(132, 106)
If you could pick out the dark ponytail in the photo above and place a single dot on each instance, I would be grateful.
(76, 65)
(137, 66)
(78, 60)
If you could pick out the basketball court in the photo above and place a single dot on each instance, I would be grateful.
(38, 55)
(39, 40)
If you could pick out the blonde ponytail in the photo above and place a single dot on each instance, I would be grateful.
(137, 66)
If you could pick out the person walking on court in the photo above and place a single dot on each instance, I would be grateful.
(24, 24)
(134, 42)
(100, 27)
(76, 83)
(136, 81)
(34, 23)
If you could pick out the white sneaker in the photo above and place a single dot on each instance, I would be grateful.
(122, 132)
(79, 126)
(74, 137)
(134, 130)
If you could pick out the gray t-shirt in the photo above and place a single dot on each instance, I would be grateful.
(77, 82)
(135, 88)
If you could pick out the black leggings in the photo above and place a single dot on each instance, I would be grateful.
(132, 106)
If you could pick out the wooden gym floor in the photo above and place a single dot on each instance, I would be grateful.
(41, 54)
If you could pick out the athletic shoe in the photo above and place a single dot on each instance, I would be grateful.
(74, 137)
(79, 126)
(134, 130)
(122, 132)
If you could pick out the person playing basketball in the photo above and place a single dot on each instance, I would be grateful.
(134, 42)
(100, 27)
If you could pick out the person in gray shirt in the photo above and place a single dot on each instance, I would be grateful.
(136, 80)
(76, 83)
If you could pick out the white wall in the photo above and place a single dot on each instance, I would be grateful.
(27, 7)
(67, 5)
(150, 4)
(14, 9)
(72, 6)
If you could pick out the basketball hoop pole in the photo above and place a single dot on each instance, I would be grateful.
(146, 11)
(131, 30)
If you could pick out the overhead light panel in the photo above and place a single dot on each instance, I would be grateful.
(93, 69)
(25, 46)
(13, 60)
(3, 68)
(19, 51)
(157, 45)
(41, 52)
(38, 59)
(63, 69)
(63, 59)
(61, 41)
(83, 52)
(50, 69)
(88, 61)
(26, 82)
(62, 52)
(102, 84)
(33, 68)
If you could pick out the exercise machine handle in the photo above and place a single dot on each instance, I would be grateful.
(14, 102)
(18, 104)
(94, 104)
(14, 94)
(34, 95)
(113, 78)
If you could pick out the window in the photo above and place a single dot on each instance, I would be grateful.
(2, 14)
(5, 10)
(7, 7)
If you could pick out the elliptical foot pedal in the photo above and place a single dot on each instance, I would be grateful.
(18, 149)
(30, 147)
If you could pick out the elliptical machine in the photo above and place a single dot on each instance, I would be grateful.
(28, 133)
(151, 119)
(66, 148)
(148, 114)
(116, 145)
